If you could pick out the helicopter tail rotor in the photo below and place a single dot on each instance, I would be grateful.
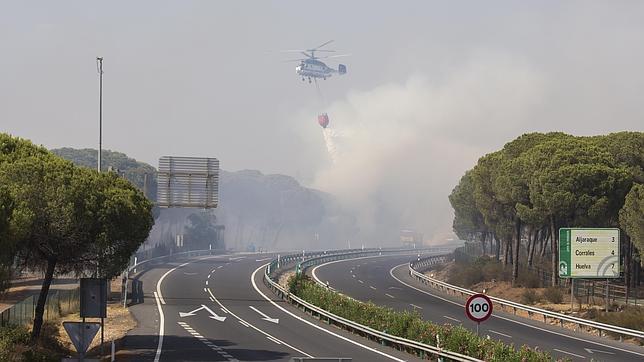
(342, 69)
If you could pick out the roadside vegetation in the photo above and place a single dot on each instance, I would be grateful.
(410, 325)
(58, 218)
(514, 200)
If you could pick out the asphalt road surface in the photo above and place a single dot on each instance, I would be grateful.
(217, 308)
(386, 281)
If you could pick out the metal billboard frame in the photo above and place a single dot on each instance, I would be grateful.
(188, 182)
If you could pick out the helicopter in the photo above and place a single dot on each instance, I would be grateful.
(312, 68)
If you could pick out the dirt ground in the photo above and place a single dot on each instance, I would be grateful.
(118, 322)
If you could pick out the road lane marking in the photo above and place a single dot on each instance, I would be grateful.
(209, 275)
(264, 316)
(372, 287)
(508, 319)
(206, 282)
(274, 340)
(163, 277)
(255, 328)
(219, 267)
(258, 260)
(570, 353)
(208, 343)
(416, 306)
(244, 323)
(360, 281)
(161, 327)
(499, 333)
(591, 351)
(450, 318)
(389, 295)
(252, 279)
(222, 309)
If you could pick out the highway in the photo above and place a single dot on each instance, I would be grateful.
(386, 281)
(217, 308)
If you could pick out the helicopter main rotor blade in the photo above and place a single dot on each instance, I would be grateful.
(335, 56)
(320, 46)
(308, 55)
(293, 60)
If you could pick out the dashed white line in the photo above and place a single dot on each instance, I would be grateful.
(209, 275)
(416, 306)
(389, 295)
(499, 333)
(219, 267)
(360, 281)
(207, 342)
(451, 318)
(372, 287)
(570, 353)
(206, 282)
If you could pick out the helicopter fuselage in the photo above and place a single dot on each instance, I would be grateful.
(312, 68)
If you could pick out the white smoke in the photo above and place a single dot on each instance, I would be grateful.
(403, 147)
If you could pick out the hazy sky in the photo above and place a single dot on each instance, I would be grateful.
(431, 86)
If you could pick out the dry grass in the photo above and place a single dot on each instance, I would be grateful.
(118, 322)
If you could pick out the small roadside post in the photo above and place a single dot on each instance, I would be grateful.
(478, 308)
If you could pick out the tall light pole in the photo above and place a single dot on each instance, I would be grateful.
(99, 66)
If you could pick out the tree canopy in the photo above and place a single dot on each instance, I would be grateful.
(540, 182)
(66, 218)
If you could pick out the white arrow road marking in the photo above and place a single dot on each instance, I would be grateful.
(499, 333)
(591, 351)
(193, 312)
(570, 353)
(265, 317)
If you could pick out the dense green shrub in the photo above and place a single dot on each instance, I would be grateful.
(553, 295)
(410, 325)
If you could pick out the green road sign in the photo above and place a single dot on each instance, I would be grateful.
(588, 253)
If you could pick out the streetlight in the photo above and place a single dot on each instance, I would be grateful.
(99, 68)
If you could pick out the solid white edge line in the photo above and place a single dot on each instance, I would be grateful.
(255, 328)
(512, 320)
(252, 278)
(161, 328)
(163, 277)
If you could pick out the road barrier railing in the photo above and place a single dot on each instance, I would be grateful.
(507, 305)
(403, 344)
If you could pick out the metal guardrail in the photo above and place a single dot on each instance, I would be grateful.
(510, 305)
(420, 349)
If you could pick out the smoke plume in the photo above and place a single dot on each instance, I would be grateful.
(404, 146)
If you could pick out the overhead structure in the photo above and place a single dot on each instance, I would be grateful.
(188, 182)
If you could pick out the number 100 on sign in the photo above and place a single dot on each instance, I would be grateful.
(478, 307)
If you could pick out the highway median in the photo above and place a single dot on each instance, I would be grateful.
(410, 325)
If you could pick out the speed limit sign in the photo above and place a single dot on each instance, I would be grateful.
(478, 308)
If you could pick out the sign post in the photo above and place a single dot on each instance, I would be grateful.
(478, 308)
(588, 253)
